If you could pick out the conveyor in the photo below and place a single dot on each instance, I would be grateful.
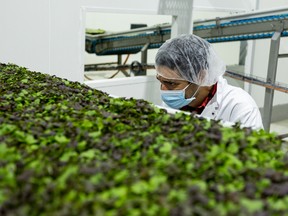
(250, 26)
(214, 30)
(128, 42)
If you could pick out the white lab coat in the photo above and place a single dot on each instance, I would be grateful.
(233, 104)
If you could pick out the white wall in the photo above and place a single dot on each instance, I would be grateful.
(48, 35)
(24, 33)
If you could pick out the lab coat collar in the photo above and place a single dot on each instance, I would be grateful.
(221, 84)
(212, 108)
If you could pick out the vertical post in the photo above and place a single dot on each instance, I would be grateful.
(175, 27)
(144, 57)
(181, 12)
(271, 76)
(119, 59)
(243, 52)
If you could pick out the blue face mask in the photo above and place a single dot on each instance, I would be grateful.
(176, 98)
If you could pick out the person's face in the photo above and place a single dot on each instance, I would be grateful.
(175, 84)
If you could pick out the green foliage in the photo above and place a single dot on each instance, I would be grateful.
(67, 149)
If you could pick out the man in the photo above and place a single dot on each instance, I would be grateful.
(191, 76)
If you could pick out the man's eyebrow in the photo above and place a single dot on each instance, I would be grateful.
(167, 80)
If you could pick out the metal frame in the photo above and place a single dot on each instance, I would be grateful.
(271, 77)
(144, 56)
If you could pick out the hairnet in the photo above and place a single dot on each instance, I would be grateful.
(190, 58)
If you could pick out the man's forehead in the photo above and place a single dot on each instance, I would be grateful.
(168, 73)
